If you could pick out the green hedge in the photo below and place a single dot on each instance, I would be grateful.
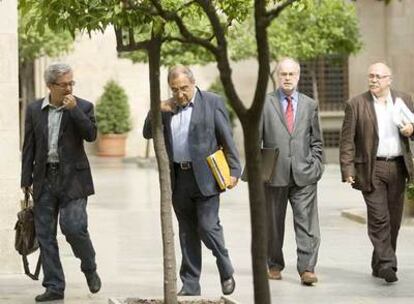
(112, 110)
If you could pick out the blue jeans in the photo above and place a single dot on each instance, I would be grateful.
(73, 223)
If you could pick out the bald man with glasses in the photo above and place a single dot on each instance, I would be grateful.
(375, 158)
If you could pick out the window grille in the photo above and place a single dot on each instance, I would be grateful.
(332, 79)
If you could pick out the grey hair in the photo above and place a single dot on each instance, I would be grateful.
(383, 64)
(55, 70)
(287, 59)
(178, 70)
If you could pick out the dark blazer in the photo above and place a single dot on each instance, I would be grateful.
(359, 140)
(209, 129)
(76, 126)
(300, 153)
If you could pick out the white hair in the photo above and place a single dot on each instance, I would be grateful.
(287, 59)
(55, 70)
(178, 70)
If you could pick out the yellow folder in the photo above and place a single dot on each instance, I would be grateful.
(220, 168)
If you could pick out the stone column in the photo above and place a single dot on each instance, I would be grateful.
(9, 136)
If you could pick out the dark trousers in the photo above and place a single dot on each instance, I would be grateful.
(306, 224)
(384, 210)
(198, 220)
(73, 224)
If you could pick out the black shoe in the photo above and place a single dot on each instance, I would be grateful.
(49, 296)
(94, 282)
(388, 274)
(227, 286)
(375, 274)
(185, 293)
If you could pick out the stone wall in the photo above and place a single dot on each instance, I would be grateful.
(9, 135)
(387, 34)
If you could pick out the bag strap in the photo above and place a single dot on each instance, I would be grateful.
(25, 204)
(35, 275)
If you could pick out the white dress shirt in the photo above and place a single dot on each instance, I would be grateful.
(389, 144)
(180, 126)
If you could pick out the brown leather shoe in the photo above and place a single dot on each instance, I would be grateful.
(274, 274)
(308, 278)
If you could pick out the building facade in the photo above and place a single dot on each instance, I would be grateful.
(387, 33)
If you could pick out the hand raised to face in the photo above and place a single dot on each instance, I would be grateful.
(69, 102)
(168, 105)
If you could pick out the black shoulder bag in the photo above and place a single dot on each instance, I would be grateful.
(25, 240)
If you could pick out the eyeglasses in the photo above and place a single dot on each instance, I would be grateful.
(183, 89)
(64, 85)
(377, 76)
(286, 74)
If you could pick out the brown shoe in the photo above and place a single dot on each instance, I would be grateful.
(308, 278)
(274, 274)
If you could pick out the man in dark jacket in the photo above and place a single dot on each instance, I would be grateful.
(196, 124)
(55, 169)
(376, 159)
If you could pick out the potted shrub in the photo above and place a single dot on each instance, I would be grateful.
(113, 120)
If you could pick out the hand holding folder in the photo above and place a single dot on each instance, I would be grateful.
(401, 113)
(220, 169)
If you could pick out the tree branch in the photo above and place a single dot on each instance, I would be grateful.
(128, 5)
(263, 58)
(174, 17)
(274, 13)
(185, 5)
(131, 45)
(222, 57)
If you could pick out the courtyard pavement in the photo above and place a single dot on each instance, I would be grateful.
(124, 224)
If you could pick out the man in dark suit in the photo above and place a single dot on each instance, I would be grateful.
(56, 171)
(196, 124)
(376, 159)
(291, 124)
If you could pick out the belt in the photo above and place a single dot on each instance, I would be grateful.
(388, 159)
(185, 165)
(52, 166)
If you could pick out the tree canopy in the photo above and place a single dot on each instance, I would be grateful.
(307, 32)
(35, 43)
(135, 21)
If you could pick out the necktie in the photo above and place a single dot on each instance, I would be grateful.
(289, 114)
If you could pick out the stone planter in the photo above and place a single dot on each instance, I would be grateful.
(408, 207)
(181, 300)
(112, 145)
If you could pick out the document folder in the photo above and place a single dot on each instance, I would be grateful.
(220, 168)
(401, 113)
(269, 160)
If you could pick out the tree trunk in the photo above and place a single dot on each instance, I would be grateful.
(26, 71)
(258, 212)
(170, 281)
